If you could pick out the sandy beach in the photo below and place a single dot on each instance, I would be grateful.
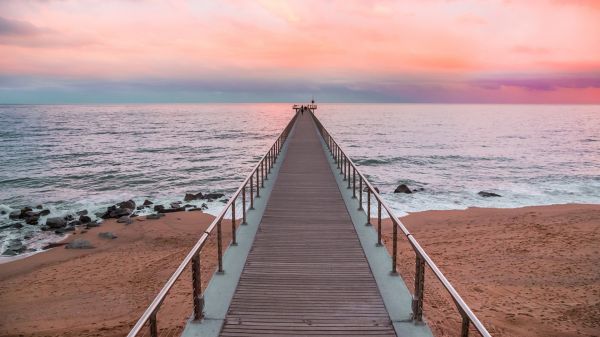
(532, 271)
(525, 272)
(102, 291)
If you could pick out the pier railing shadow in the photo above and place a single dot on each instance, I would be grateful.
(191, 265)
(359, 185)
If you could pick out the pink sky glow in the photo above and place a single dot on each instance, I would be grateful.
(535, 51)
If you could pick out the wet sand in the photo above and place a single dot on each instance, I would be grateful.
(532, 271)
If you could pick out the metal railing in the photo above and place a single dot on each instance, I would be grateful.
(350, 173)
(256, 181)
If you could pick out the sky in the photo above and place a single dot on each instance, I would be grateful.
(432, 51)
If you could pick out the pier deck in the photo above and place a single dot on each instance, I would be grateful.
(306, 273)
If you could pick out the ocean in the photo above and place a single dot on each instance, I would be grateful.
(68, 158)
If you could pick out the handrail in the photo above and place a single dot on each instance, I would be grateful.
(261, 171)
(346, 165)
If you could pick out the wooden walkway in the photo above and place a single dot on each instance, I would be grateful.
(306, 274)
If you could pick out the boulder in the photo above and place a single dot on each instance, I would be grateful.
(107, 235)
(155, 216)
(15, 247)
(39, 206)
(14, 215)
(213, 196)
(402, 188)
(32, 220)
(204, 206)
(44, 212)
(488, 194)
(191, 196)
(53, 245)
(24, 212)
(147, 202)
(2, 212)
(125, 219)
(127, 204)
(85, 219)
(92, 225)
(173, 210)
(17, 225)
(56, 222)
(74, 223)
(159, 208)
(175, 204)
(79, 244)
(83, 212)
(69, 217)
(195, 209)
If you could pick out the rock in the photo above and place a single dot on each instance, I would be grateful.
(74, 223)
(14, 248)
(159, 208)
(107, 235)
(488, 194)
(84, 212)
(39, 206)
(68, 217)
(56, 223)
(155, 216)
(213, 196)
(24, 211)
(139, 208)
(14, 215)
(85, 219)
(402, 188)
(173, 210)
(204, 206)
(45, 228)
(175, 204)
(53, 245)
(191, 196)
(32, 220)
(127, 204)
(188, 206)
(79, 244)
(69, 229)
(147, 202)
(92, 225)
(2, 212)
(17, 225)
(125, 219)
(44, 212)
(195, 209)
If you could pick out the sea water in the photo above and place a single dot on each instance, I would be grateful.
(73, 157)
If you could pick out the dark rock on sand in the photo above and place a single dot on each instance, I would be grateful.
(79, 244)
(155, 216)
(488, 194)
(213, 196)
(125, 219)
(92, 225)
(147, 202)
(107, 235)
(53, 245)
(402, 188)
(173, 210)
(85, 219)
(159, 208)
(56, 223)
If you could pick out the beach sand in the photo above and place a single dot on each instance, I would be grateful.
(103, 291)
(531, 271)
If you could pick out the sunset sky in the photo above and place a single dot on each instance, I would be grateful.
(492, 51)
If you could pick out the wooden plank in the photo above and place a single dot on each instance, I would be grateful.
(306, 274)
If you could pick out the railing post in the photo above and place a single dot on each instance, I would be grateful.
(244, 205)
(353, 182)
(348, 172)
(464, 330)
(220, 246)
(257, 182)
(379, 222)
(395, 245)
(197, 288)
(252, 191)
(343, 166)
(233, 234)
(417, 302)
(153, 327)
(368, 207)
(360, 193)
(264, 175)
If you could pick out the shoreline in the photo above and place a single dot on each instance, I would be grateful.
(103, 291)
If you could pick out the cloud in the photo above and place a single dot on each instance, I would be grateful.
(9, 27)
(544, 83)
